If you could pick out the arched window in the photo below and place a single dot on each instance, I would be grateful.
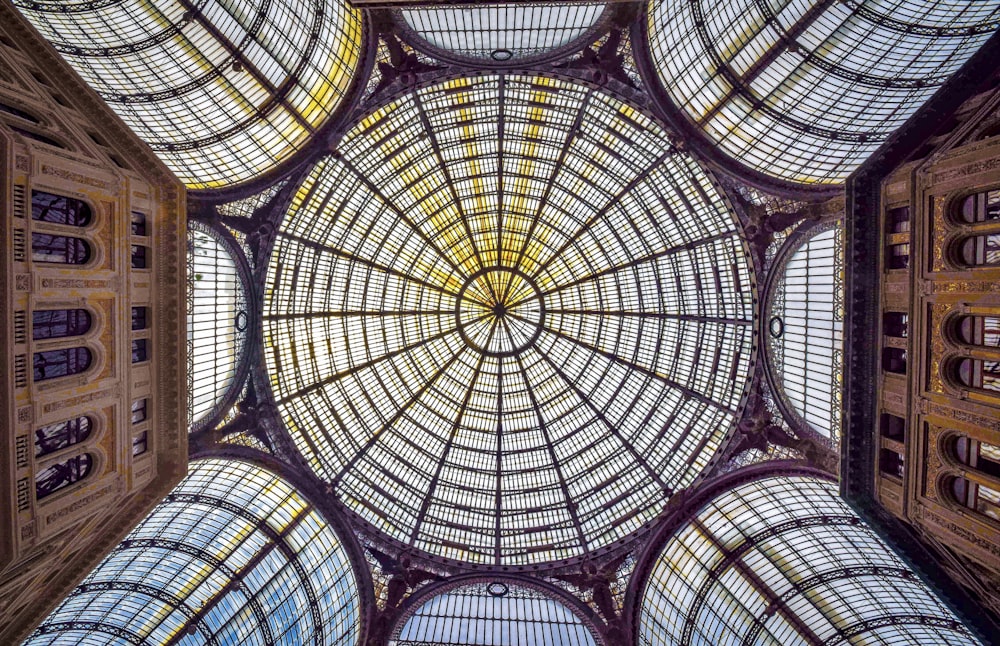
(979, 330)
(57, 209)
(217, 322)
(979, 373)
(502, 32)
(62, 250)
(981, 456)
(62, 474)
(55, 437)
(977, 497)
(19, 113)
(61, 363)
(980, 207)
(984, 250)
(55, 324)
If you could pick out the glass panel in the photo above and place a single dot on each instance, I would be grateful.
(808, 355)
(139, 257)
(138, 224)
(139, 318)
(493, 614)
(784, 560)
(138, 410)
(57, 209)
(54, 437)
(60, 363)
(140, 350)
(548, 332)
(55, 324)
(217, 322)
(806, 90)
(139, 445)
(61, 475)
(59, 249)
(222, 91)
(503, 32)
(233, 555)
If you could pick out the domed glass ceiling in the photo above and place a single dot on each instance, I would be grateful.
(507, 319)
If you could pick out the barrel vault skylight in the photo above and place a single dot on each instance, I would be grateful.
(805, 90)
(222, 91)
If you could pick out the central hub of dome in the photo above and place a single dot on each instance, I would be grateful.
(499, 311)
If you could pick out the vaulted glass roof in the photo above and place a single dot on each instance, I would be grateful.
(502, 32)
(221, 91)
(494, 613)
(784, 561)
(507, 319)
(805, 90)
(233, 555)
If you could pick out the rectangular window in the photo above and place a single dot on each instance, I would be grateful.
(892, 427)
(898, 256)
(138, 224)
(139, 444)
(895, 324)
(139, 315)
(139, 410)
(140, 350)
(890, 463)
(898, 220)
(894, 360)
(138, 257)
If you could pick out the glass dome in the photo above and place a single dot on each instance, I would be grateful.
(221, 91)
(507, 320)
(807, 90)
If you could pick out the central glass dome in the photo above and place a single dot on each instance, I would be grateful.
(507, 320)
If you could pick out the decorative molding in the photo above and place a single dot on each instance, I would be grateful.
(75, 283)
(81, 503)
(80, 399)
(74, 177)
(963, 533)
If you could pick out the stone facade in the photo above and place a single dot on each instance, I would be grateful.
(73, 496)
(937, 410)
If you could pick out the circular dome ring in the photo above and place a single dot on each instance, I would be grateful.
(522, 346)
